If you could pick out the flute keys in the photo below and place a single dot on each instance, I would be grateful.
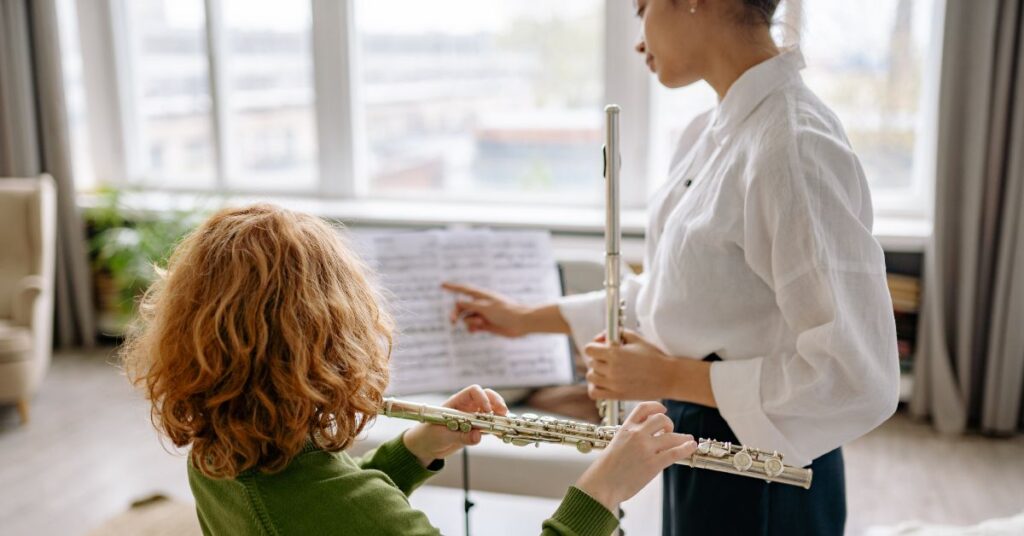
(773, 467)
(457, 425)
(742, 460)
(604, 161)
(532, 429)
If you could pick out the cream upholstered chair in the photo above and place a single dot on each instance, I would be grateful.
(28, 225)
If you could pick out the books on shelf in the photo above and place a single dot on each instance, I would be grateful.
(906, 302)
(905, 291)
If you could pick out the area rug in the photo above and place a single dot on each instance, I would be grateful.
(153, 516)
(1006, 526)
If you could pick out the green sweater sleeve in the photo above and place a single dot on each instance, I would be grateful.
(580, 515)
(577, 515)
(330, 493)
(394, 459)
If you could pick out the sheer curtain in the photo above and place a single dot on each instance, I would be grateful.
(970, 366)
(34, 139)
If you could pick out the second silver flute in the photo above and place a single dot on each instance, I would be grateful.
(529, 429)
(612, 412)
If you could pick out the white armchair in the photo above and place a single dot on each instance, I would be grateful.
(28, 221)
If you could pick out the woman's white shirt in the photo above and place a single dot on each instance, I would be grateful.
(759, 249)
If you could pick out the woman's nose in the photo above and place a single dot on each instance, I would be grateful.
(640, 47)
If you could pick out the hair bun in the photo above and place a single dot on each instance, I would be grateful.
(761, 11)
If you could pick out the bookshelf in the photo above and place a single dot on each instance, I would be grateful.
(904, 271)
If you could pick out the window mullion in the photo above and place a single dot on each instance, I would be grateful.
(336, 88)
(108, 93)
(627, 83)
(218, 88)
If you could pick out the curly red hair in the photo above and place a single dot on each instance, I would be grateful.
(262, 332)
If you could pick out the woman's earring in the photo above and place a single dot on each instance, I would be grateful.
(693, 9)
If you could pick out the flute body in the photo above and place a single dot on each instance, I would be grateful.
(527, 429)
(612, 412)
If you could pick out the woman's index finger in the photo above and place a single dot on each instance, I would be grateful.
(468, 290)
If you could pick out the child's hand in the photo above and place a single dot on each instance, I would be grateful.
(643, 447)
(430, 442)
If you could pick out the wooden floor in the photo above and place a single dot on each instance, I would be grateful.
(89, 451)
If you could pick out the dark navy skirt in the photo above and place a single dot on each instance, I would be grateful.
(702, 502)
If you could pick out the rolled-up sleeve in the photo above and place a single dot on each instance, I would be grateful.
(807, 234)
(585, 313)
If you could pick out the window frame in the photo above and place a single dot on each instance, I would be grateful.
(341, 173)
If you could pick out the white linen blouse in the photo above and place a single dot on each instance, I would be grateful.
(759, 249)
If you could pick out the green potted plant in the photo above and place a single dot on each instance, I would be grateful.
(124, 247)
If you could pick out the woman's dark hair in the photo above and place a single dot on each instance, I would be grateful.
(756, 12)
(760, 11)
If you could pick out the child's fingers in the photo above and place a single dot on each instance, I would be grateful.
(676, 454)
(644, 410)
(478, 400)
(659, 422)
(497, 403)
(668, 441)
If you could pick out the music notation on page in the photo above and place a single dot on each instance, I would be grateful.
(432, 355)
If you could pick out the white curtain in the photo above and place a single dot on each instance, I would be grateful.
(970, 366)
(34, 139)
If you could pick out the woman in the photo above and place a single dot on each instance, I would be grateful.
(763, 315)
(265, 348)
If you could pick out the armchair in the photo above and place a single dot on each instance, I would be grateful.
(28, 220)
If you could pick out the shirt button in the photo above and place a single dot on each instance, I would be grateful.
(688, 183)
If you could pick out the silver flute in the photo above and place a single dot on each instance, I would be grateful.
(612, 412)
(530, 429)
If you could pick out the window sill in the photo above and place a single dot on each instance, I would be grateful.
(577, 230)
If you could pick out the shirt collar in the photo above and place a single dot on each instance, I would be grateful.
(751, 88)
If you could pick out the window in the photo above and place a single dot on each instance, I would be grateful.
(169, 115)
(503, 99)
(268, 98)
(497, 101)
(220, 94)
(74, 93)
(873, 79)
(868, 66)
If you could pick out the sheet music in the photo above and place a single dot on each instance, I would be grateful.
(432, 355)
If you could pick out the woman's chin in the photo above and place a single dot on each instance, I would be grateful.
(673, 81)
(666, 80)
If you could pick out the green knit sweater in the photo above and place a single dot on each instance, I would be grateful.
(332, 493)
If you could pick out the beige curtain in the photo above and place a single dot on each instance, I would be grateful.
(970, 367)
(34, 139)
